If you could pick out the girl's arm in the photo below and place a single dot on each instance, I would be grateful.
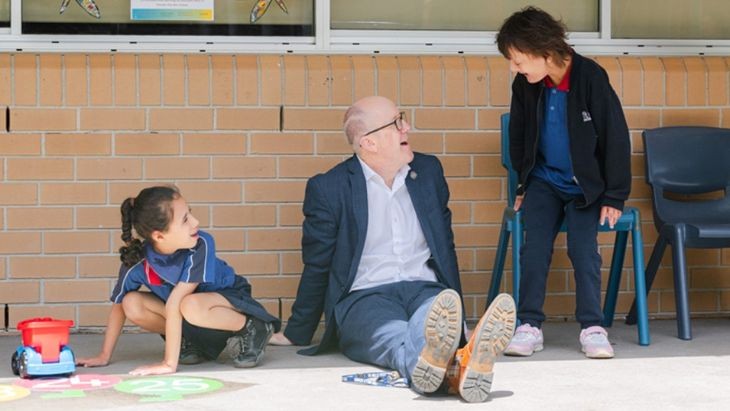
(173, 333)
(111, 335)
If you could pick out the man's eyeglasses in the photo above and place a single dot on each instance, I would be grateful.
(398, 123)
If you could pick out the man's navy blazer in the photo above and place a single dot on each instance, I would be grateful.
(334, 229)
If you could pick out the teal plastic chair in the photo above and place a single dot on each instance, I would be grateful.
(630, 222)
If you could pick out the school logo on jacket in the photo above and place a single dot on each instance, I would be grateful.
(586, 116)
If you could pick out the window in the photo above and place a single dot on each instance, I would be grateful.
(670, 19)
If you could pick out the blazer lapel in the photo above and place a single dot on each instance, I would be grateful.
(420, 200)
(359, 200)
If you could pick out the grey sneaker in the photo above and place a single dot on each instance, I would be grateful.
(246, 347)
(190, 354)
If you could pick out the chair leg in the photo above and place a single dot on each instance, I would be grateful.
(640, 282)
(614, 278)
(684, 328)
(517, 241)
(498, 268)
(650, 274)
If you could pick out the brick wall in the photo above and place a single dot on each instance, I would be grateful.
(240, 134)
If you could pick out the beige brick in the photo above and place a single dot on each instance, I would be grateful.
(146, 144)
(631, 82)
(244, 167)
(108, 168)
(39, 169)
(274, 239)
(76, 291)
(25, 79)
(613, 69)
(305, 166)
(275, 287)
(173, 80)
(18, 194)
(214, 143)
(489, 212)
(454, 81)
(271, 81)
(294, 80)
(42, 119)
(342, 80)
(433, 81)
(387, 77)
(5, 76)
(479, 142)
(12, 292)
(20, 242)
(275, 191)
(19, 313)
(475, 189)
(290, 215)
(176, 167)
(409, 73)
(717, 80)
(227, 239)
(451, 119)
(125, 79)
(676, 75)
(181, 119)
(642, 119)
(291, 263)
(78, 144)
(112, 119)
(39, 218)
(364, 75)
(332, 143)
(424, 142)
(100, 79)
(456, 166)
(282, 143)
(198, 80)
(691, 117)
(211, 192)
(653, 81)
(696, 81)
(247, 119)
(249, 264)
(244, 216)
(20, 144)
(60, 242)
(98, 217)
(476, 72)
(50, 79)
(76, 80)
(475, 236)
(312, 119)
(150, 80)
(99, 266)
(319, 80)
(490, 119)
(499, 81)
(93, 315)
(42, 267)
(488, 166)
(222, 80)
(247, 80)
(460, 212)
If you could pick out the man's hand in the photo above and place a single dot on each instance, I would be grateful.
(609, 214)
(279, 339)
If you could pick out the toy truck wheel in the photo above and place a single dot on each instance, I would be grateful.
(23, 365)
(14, 363)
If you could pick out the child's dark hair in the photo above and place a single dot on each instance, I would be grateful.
(535, 32)
(150, 211)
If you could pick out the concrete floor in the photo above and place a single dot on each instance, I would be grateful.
(668, 374)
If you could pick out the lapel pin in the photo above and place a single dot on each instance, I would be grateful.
(413, 175)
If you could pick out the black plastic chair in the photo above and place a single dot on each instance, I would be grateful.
(630, 222)
(687, 162)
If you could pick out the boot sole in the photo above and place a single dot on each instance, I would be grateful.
(442, 332)
(492, 337)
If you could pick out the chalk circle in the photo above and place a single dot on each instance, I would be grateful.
(83, 382)
(12, 392)
(168, 388)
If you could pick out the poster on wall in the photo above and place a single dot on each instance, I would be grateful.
(172, 10)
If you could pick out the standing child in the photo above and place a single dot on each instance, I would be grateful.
(196, 301)
(569, 144)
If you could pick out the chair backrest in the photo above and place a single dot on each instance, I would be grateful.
(506, 162)
(688, 161)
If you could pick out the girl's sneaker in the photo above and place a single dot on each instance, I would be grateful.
(246, 346)
(526, 341)
(594, 343)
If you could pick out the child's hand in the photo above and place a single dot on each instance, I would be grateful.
(154, 369)
(98, 361)
(279, 339)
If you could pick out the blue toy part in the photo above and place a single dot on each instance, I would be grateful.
(380, 379)
(30, 363)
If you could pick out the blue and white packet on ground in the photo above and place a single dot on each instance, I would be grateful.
(380, 379)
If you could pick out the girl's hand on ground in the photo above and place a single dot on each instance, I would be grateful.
(279, 339)
(153, 369)
(97, 361)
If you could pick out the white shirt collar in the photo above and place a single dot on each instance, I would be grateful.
(398, 180)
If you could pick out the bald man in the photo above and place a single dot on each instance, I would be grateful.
(379, 261)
